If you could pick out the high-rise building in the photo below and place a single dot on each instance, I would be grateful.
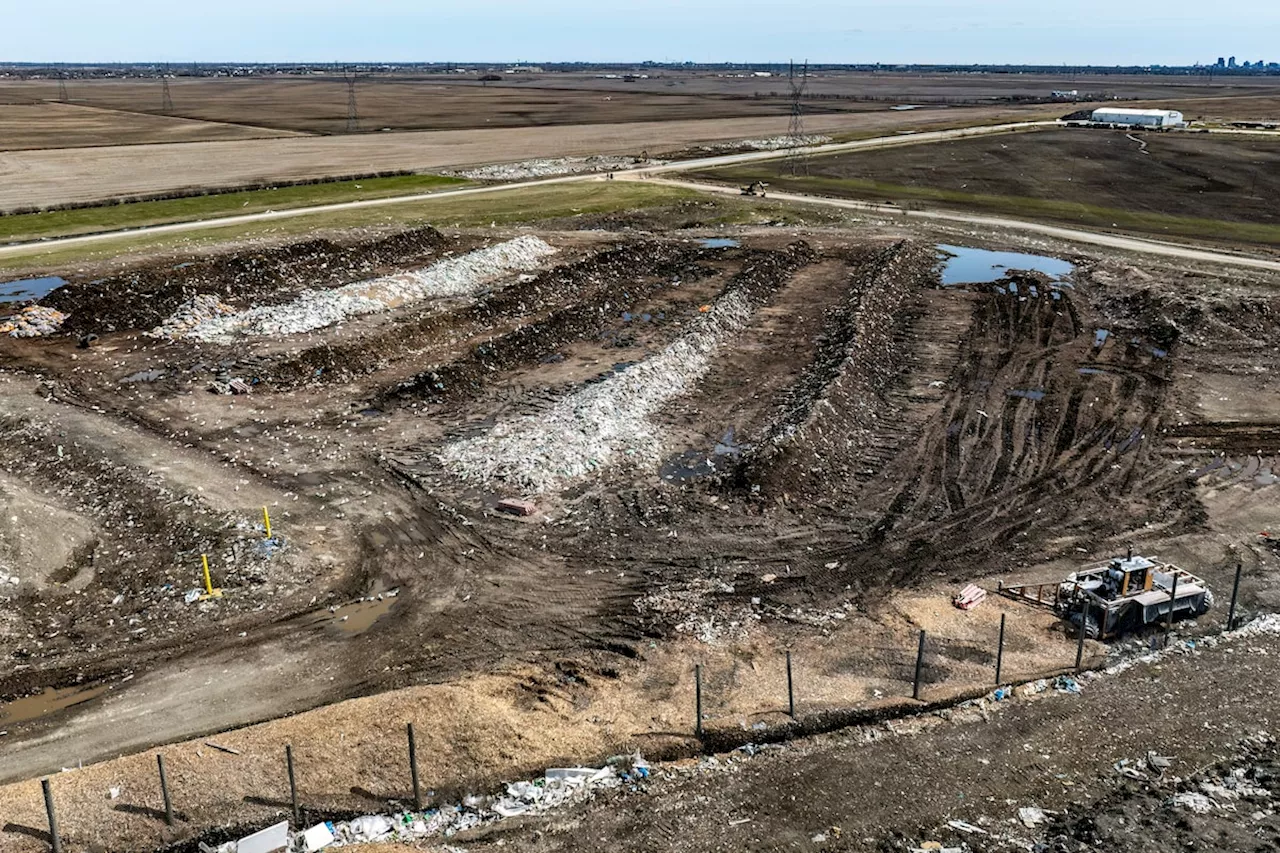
(1221, 63)
(1231, 63)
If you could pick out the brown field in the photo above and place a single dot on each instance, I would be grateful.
(920, 87)
(1171, 184)
(54, 125)
(48, 177)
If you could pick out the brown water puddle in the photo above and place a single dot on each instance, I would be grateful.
(358, 616)
(51, 700)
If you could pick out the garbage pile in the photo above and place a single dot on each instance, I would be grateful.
(200, 309)
(549, 167)
(316, 309)
(558, 787)
(586, 430)
(8, 584)
(34, 321)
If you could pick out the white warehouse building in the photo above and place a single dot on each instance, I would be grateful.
(1139, 118)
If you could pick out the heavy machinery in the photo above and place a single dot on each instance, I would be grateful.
(1121, 595)
(755, 188)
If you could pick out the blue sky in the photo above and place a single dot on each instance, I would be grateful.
(999, 31)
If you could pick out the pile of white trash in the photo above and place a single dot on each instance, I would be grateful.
(558, 787)
(588, 429)
(550, 167)
(34, 321)
(197, 310)
(316, 309)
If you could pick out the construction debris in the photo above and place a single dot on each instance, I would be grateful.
(198, 310)
(588, 429)
(969, 597)
(550, 167)
(34, 321)
(316, 309)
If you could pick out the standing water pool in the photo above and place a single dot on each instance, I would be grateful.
(965, 265)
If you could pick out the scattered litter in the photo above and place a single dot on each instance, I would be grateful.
(1193, 800)
(34, 321)
(318, 837)
(966, 828)
(1031, 816)
(1066, 684)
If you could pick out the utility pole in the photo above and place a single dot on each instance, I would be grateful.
(62, 87)
(353, 114)
(795, 127)
(166, 103)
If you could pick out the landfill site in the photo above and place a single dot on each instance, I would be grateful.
(746, 519)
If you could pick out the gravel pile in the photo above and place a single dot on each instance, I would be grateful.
(316, 309)
(590, 428)
(34, 321)
(549, 167)
(200, 309)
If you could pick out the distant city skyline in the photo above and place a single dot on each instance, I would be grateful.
(1089, 32)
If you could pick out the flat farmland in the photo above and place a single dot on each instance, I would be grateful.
(919, 86)
(319, 105)
(1192, 185)
(56, 125)
(53, 176)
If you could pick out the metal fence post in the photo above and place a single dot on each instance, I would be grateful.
(1173, 602)
(915, 690)
(1084, 627)
(1235, 596)
(791, 690)
(413, 769)
(1000, 651)
(293, 784)
(164, 789)
(697, 687)
(54, 840)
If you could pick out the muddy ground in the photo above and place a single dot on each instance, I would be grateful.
(861, 431)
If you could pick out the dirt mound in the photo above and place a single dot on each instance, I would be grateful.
(144, 298)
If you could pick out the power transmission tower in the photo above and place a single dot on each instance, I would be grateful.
(62, 88)
(353, 114)
(166, 104)
(795, 128)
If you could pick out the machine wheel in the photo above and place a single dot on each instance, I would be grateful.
(1091, 628)
(1206, 605)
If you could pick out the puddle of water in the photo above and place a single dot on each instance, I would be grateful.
(905, 107)
(359, 616)
(29, 288)
(1092, 371)
(720, 243)
(144, 376)
(1100, 338)
(1033, 394)
(51, 700)
(965, 265)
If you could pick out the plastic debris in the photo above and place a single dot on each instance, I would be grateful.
(1066, 684)
(34, 321)
(201, 308)
(1031, 816)
(316, 309)
(318, 837)
(966, 828)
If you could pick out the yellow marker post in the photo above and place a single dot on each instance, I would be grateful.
(210, 592)
(266, 520)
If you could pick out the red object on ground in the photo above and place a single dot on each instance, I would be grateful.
(515, 506)
(969, 597)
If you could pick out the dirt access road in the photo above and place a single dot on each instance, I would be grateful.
(1095, 238)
